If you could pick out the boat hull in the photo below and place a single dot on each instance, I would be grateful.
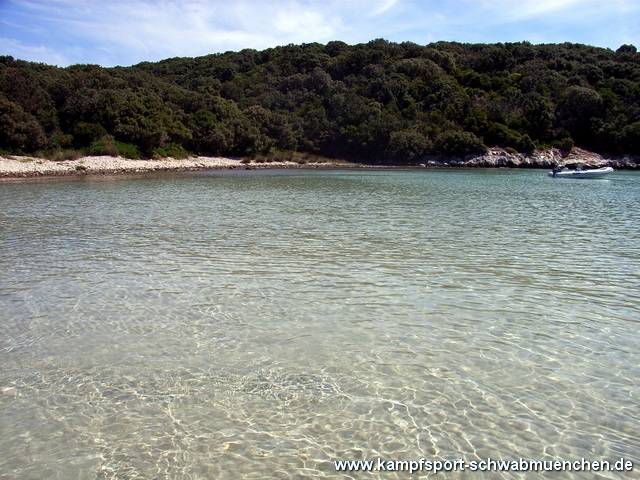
(595, 173)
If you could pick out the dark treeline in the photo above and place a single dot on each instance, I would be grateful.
(378, 101)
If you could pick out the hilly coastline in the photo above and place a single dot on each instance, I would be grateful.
(514, 104)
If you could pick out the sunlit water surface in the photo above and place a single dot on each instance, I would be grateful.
(263, 324)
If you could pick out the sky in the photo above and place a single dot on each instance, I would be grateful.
(126, 32)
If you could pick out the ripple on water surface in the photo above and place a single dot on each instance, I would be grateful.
(263, 325)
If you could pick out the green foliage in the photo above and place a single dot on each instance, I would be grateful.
(61, 140)
(60, 155)
(631, 137)
(19, 131)
(172, 150)
(499, 134)
(107, 145)
(85, 134)
(127, 150)
(407, 145)
(564, 144)
(456, 143)
(627, 49)
(578, 109)
(374, 102)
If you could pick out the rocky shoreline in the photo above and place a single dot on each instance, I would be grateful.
(23, 166)
(498, 157)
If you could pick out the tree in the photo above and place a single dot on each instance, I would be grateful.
(19, 131)
(631, 138)
(375, 101)
(407, 145)
(459, 143)
(577, 109)
(627, 49)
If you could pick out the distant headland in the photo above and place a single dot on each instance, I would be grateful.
(512, 104)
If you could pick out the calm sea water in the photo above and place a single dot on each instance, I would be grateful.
(263, 324)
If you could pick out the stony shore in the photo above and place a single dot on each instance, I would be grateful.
(498, 157)
(23, 166)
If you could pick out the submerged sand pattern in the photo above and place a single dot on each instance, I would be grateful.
(224, 325)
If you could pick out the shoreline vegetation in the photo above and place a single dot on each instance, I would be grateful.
(382, 102)
(21, 166)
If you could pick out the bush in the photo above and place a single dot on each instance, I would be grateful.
(61, 155)
(500, 134)
(631, 137)
(61, 140)
(128, 150)
(107, 145)
(172, 150)
(576, 110)
(84, 133)
(378, 102)
(19, 131)
(627, 48)
(103, 146)
(407, 145)
(564, 145)
(454, 142)
(526, 145)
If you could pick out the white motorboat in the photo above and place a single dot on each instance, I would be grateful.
(590, 173)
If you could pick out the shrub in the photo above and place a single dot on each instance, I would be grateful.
(407, 145)
(84, 133)
(526, 145)
(501, 135)
(576, 110)
(564, 144)
(103, 146)
(631, 137)
(377, 101)
(61, 140)
(172, 150)
(107, 145)
(627, 48)
(127, 150)
(61, 155)
(19, 131)
(454, 142)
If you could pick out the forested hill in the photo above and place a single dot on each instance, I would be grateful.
(378, 101)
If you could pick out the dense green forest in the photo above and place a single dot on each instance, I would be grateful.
(378, 101)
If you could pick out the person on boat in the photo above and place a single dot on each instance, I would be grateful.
(556, 169)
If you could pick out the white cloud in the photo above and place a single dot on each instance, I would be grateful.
(383, 6)
(130, 31)
(148, 29)
(35, 53)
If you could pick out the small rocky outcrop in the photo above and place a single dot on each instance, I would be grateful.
(498, 157)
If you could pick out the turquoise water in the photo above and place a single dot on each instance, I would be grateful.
(263, 324)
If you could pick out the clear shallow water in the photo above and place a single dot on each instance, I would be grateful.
(262, 325)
